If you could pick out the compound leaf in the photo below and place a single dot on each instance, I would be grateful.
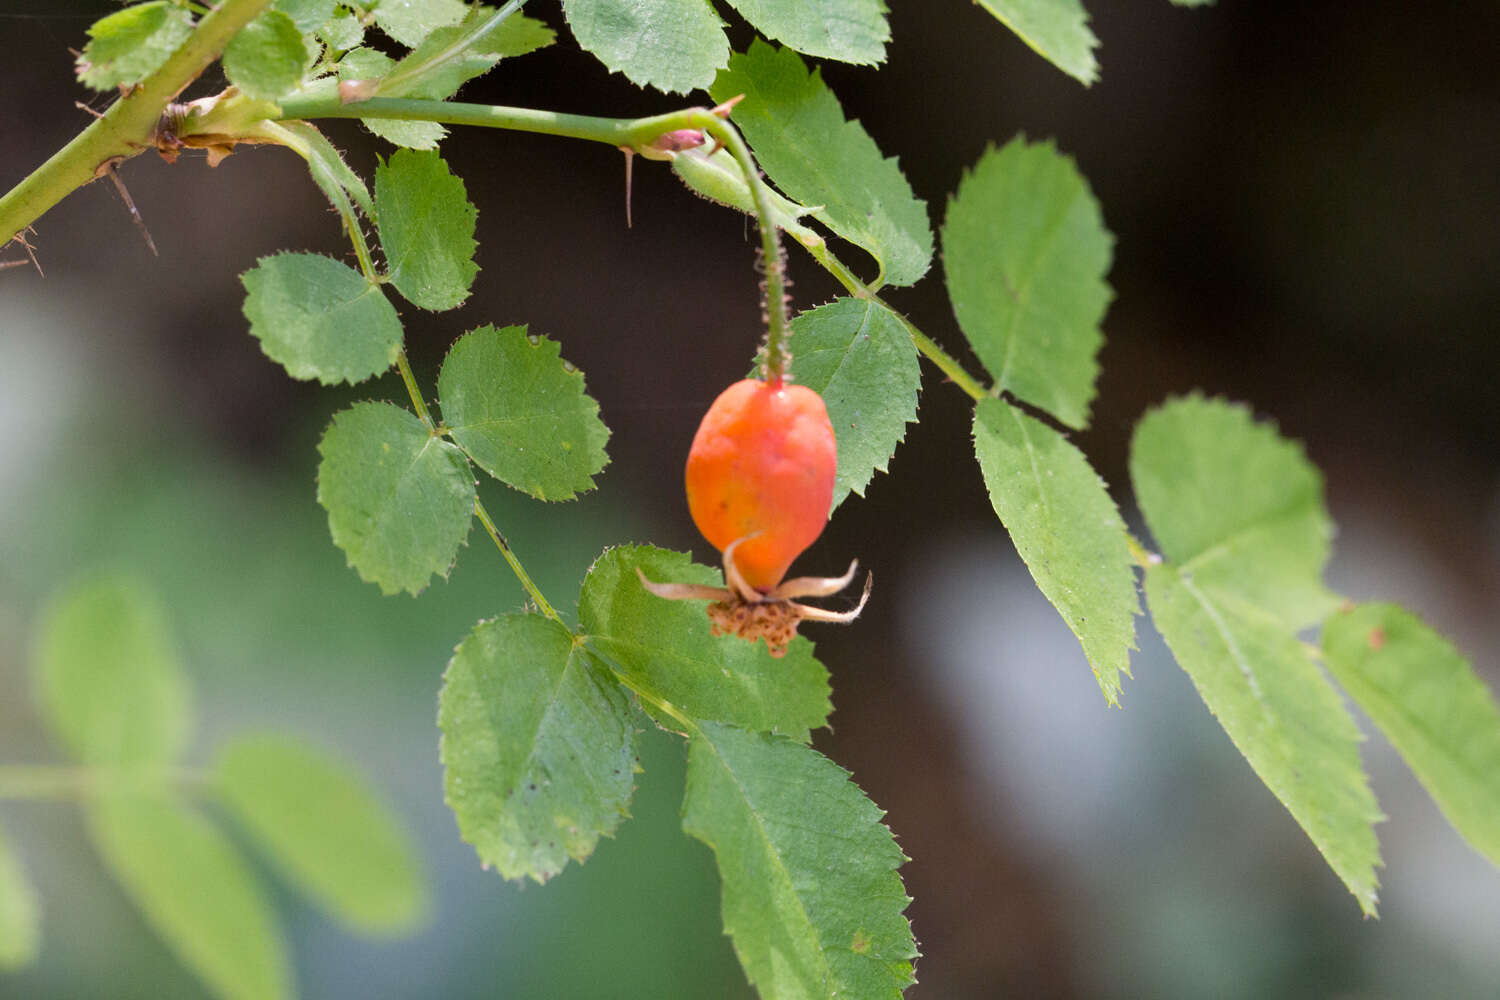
(672, 45)
(1025, 252)
(1057, 29)
(860, 359)
(128, 45)
(520, 412)
(325, 830)
(1280, 712)
(816, 157)
(1236, 505)
(410, 21)
(1066, 528)
(852, 31)
(399, 498)
(195, 890)
(664, 647)
(20, 914)
(538, 746)
(107, 675)
(1428, 701)
(267, 57)
(320, 319)
(426, 228)
(811, 897)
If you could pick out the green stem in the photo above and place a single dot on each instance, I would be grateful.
(929, 348)
(515, 564)
(126, 129)
(24, 782)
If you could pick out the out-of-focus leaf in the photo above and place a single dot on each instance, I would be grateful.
(410, 21)
(538, 746)
(1057, 29)
(812, 900)
(860, 359)
(852, 31)
(127, 46)
(326, 831)
(1066, 528)
(20, 916)
(307, 15)
(805, 145)
(399, 499)
(1235, 505)
(319, 318)
(673, 45)
(1282, 714)
(1428, 701)
(664, 647)
(107, 675)
(343, 31)
(195, 890)
(426, 229)
(520, 412)
(1025, 252)
(267, 57)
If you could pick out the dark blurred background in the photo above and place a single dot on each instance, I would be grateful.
(1305, 198)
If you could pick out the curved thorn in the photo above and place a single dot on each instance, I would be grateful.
(813, 586)
(684, 591)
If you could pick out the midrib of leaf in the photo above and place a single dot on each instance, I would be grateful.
(1440, 745)
(453, 51)
(1036, 471)
(1021, 292)
(385, 505)
(422, 211)
(786, 876)
(542, 720)
(1234, 650)
(848, 352)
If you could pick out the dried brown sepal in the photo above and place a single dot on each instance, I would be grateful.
(742, 611)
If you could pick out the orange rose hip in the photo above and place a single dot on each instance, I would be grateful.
(761, 469)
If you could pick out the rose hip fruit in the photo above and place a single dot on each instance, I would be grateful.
(761, 469)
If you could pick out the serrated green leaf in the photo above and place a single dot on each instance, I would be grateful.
(195, 890)
(673, 45)
(1431, 705)
(343, 30)
(801, 140)
(20, 914)
(1066, 528)
(410, 21)
(1056, 29)
(107, 676)
(664, 648)
(426, 229)
(520, 412)
(860, 359)
(852, 31)
(399, 499)
(1282, 714)
(307, 15)
(538, 746)
(320, 319)
(450, 57)
(128, 45)
(267, 57)
(811, 898)
(1236, 505)
(369, 64)
(326, 830)
(1025, 252)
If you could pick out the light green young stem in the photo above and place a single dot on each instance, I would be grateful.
(126, 129)
(60, 783)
